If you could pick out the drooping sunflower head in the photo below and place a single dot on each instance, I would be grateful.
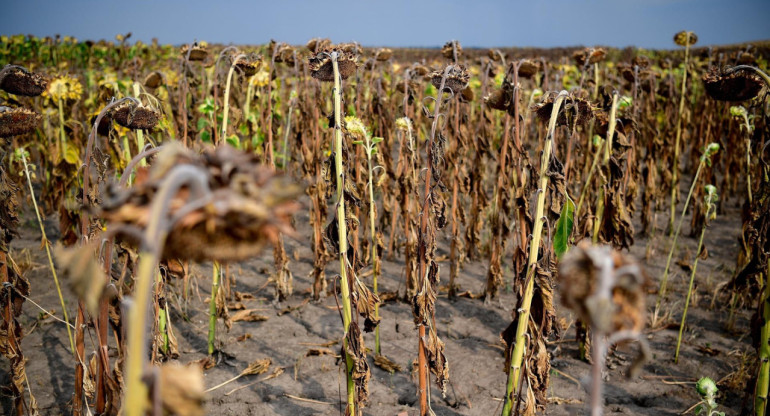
(17, 121)
(732, 86)
(321, 66)
(18, 81)
(457, 78)
(685, 38)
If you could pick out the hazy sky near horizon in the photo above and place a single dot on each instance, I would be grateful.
(482, 23)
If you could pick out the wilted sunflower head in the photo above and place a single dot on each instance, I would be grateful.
(449, 48)
(17, 80)
(316, 45)
(589, 56)
(502, 98)
(285, 54)
(685, 38)
(383, 54)
(457, 78)
(575, 109)
(153, 80)
(322, 69)
(249, 205)
(641, 61)
(528, 68)
(17, 121)
(135, 115)
(248, 64)
(198, 52)
(732, 85)
(745, 58)
(580, 275)
(64, 88)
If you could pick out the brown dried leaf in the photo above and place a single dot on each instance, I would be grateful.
(86, 276)
(248, 315)
(386, 364)
(182, 389)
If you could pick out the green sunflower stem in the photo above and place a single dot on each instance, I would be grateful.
(517, 355)
(664, 281)
(373, 232)
(763, 377)
(689, 293)
(675, 169)
(48, 253)
(606, 164)
(342, 231)
(216, 274)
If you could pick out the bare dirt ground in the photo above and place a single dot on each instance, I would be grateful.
(314, 385)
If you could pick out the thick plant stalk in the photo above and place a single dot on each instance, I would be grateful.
(48, 252)
(287, 130)
(422, 360)
(62, 135)
(342, 230)
(675, 168)
(514, 372)
(216, 274)
(227, 97)
(373, 232)
(763, 377)
(689, 289)
(606, 165)
(494, 273)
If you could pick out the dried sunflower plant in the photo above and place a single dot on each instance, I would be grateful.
(335, 64)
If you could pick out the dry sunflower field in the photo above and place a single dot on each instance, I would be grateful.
(338, 230)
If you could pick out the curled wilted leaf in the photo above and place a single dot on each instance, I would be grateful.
(360, 372)
(434, 349)
(386, 364)
(247, 315)
(86, 276)
(9, 210)
(182, 389)
(17, 121)
(256, 367)
(365, 302)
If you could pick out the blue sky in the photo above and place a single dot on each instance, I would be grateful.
(484, 23)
